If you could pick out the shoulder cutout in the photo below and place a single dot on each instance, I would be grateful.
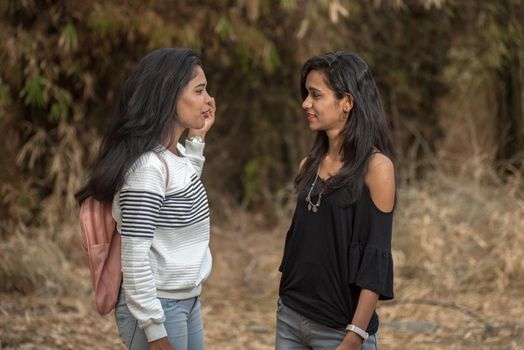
(380, 179)
(302, 163)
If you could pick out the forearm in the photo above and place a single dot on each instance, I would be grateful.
(140, 288)
(195, 152)
(140, 201)
(365, 307)
(367, 302)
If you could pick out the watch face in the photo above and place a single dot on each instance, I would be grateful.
(196, 139)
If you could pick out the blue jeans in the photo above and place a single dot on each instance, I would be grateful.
(294, 331)
(183, 324)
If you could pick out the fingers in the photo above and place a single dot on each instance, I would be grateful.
(212, 104)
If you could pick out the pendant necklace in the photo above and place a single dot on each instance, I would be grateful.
(310, 205)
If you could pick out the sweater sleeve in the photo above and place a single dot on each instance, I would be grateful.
(141, 198)
(195, 152)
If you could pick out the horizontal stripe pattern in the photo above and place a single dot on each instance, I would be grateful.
(140, 211)
(165, 233)
(143, 211)
(185, 208)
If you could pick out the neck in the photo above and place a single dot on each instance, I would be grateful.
(172, 142)
(335, 144)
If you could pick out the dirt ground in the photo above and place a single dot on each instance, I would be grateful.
(239, 302)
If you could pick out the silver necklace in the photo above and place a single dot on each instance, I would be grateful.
(310, 205)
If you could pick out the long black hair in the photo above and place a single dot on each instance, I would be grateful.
(143, 118)
(365, 131)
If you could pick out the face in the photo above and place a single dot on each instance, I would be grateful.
(193, 105)
(323, 110)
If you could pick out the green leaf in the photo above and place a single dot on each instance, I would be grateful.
(223, 28)
(33, 92)
(68, 39)
(271, 60)
(60, 108)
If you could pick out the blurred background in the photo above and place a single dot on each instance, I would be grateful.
(451, 75)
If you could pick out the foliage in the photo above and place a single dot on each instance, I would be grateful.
(63, 64)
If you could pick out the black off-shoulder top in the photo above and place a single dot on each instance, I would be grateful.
(330, 255)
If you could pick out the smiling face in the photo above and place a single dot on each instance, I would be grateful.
(324, 110)
(193, 106)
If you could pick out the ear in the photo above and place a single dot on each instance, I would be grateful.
(347, 103)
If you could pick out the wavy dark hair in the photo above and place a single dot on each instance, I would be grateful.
(365, 131)
(143, 118)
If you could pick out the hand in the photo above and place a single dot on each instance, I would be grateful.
(352, 341)
(208, 123)
(160, 344)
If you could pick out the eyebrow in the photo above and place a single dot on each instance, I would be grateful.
(201, 85)
(311, 88)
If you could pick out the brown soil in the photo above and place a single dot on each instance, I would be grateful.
(239, 301)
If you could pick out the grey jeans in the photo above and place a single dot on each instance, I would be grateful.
(183, 324)
(295, 331)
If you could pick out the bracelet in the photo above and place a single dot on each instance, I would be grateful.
(359, 331)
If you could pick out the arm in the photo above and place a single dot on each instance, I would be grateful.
(195, 150)
(380, 180)
(365, 307)
(141, 198)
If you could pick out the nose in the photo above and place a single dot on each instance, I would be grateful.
(306, 103)
(207, 98)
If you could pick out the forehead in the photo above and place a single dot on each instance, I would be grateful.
(198, 76)
(316, 79)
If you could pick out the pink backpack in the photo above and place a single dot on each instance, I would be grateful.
(101, 243)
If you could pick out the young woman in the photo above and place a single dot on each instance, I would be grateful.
(159, 203)
(337, 258)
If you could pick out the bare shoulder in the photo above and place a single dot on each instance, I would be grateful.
(380, 179)
(302, 163)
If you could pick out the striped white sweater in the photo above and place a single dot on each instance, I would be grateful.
(165, 233)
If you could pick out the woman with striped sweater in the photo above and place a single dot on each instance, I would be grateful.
(159, 202)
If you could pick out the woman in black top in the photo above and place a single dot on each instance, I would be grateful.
(337, 258)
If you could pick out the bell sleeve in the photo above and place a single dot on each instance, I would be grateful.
(371, 261)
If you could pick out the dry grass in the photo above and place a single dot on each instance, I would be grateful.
(34, 266)
(459, 279)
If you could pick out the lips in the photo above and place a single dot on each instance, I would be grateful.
(311, 117)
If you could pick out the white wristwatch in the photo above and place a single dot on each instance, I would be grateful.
(359, 331)
(197, 139)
